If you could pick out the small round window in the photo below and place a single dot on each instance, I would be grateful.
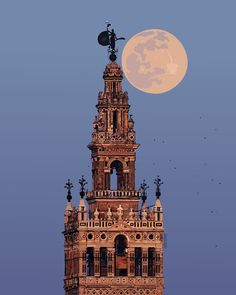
(103, 236)
(90, 236)
(151, 237)
(138, 237)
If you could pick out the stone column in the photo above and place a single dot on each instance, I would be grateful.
(82, 262)
(131, 182)
(144, 262)
(131, 262)
(157, 263)
(110, 262)
(97, 262)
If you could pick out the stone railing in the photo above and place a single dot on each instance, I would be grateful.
(91, 223)
(113, 194)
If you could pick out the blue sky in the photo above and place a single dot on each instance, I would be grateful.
(50, 74)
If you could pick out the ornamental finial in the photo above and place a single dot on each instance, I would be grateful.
(158, 184)
(68, 185)
(108, 38)
(144, 188)
(82, 182)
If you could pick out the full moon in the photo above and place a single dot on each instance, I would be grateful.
(154, 61)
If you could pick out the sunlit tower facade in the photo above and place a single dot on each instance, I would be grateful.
(113, 240)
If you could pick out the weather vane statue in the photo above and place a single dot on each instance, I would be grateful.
(108, 38)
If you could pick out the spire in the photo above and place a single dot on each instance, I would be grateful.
(158, 208)
(68, 185)
(113, 144)
(82, 210)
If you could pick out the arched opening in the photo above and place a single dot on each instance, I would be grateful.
(114, 88)
(103, 261)
(115, 121)
(121, 265)
(90, 261)
(151, 262)
(116, 172)
(138, 261)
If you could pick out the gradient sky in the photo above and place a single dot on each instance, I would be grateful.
(50, 73)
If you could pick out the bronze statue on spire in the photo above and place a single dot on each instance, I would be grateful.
(108, 38)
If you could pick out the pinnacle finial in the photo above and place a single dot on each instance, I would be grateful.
(82, 182)
(68, 185)
(158, 184)
(108, 38)
(144, 188)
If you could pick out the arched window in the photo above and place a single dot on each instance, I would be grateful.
(90, 261)
(138, 261)
(151, 262)
(115, 123)
(116, 172)
(114, 88)
(121, 265)
(103, 261)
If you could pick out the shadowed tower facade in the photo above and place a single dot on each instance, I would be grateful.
(113, 241)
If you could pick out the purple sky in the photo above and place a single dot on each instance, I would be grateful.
(50, 73)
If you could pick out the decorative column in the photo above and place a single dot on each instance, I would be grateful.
(131, 262)
(107, 181)
(144, 262)
(97, 262)
(82, 262)
(110, 262)
(131, 182)
(75, 262)
(157, 263)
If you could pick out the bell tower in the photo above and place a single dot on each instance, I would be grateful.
(113, 140)
(113, 240)
(113, 147)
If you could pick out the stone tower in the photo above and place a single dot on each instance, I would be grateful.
(113, 241)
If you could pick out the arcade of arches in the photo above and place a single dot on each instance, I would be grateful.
(122, 261)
